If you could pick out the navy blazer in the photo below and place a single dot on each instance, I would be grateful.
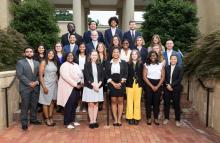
(66, 49)
(176, 76)
(89, 47)
(65, 39)
(127, 35)
(135, 73)
(88, 76)
(87, 37)
(143, 54)
(179, 59)
(108, 36)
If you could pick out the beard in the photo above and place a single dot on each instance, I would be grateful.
(29, 57)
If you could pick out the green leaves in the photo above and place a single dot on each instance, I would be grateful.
(12, 44)
(175, 19)
(203, 60)
(36, 20)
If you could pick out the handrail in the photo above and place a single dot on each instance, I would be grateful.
(6, 100)
(208, 90)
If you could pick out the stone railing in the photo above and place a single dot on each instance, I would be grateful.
(13, 97)
(198, 96)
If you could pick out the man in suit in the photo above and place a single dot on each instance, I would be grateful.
(170, 51)
(93, 44)
(72, 46)
(113, 30)
(173, 77)
(87, 35)
(71, 30)
(27, 73)
(131, 34)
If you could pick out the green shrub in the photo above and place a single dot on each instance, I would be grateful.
(12, 44)
(36, 20)
(171, 19)
(203, 60)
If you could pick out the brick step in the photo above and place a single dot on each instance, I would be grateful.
(187, 113)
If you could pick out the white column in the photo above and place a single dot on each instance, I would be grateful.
(5, 15)
(77, 15)
(127, 13)
(87, 11)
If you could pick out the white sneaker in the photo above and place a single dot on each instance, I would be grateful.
(78, 109)
(70, 126)
(165, 121)
(178, 124)
(84, 110)
(76, 123)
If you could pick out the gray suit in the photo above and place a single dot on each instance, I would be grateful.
(29, 96)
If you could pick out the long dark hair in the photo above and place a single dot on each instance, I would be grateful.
(46, 57)
(138, 59)
(78, 51)
(67, 54)
(119, 40)
(37, 54)
(148, 61)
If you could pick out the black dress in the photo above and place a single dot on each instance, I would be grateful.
(117, 77)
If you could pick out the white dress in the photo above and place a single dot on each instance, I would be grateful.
(89, 95)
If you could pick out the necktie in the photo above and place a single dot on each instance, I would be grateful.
(132, 35)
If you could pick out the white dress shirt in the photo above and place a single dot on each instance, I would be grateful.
(113, 31)
(171, 73)
(72, 47)
(31, 63)
(169, 53)
(82, 60)
(95, 43)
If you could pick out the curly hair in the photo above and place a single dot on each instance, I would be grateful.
(114, 18)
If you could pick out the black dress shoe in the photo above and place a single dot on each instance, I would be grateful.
(119, 124)
(136, 122)
(130, 121)
(96, 125)
(35, 122)
(91, 126)
(115, 124)
(24, 127)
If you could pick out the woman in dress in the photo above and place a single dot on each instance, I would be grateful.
(39, 53)
(101, 49)
(125, 51)
(134, 88)
(153, 75)
(93, 87)
(48, 88)
(116, 75)
(69, 85)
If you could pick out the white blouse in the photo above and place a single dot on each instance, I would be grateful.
(82, 60)
(123, 55)
(154, 71)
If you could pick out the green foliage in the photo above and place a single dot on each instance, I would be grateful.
(64, 15)
(12, 44)
(36, 20)
(171, 19)
(203, 60)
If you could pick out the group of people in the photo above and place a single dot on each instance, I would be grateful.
(87, 67)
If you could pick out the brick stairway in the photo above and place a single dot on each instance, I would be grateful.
(186, 107)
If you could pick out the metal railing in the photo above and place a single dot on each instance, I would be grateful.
(6, 100)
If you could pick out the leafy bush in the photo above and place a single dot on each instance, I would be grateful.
(203, 60)
(36, 20)
(12, 44)
(171, 19)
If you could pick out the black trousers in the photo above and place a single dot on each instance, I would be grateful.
(175, 96)
(28, 101)
(70, 107)
(152, 100)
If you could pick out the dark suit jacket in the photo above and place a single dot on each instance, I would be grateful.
(135, 73)
(66, 49)
(87, 37)
(123, 69)
(179, 59)
(176, 76)
(25, 76)
(144, 54)
(88, 76)
(89, 47)
(127, 35)
(108, 36)
(65, 39)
